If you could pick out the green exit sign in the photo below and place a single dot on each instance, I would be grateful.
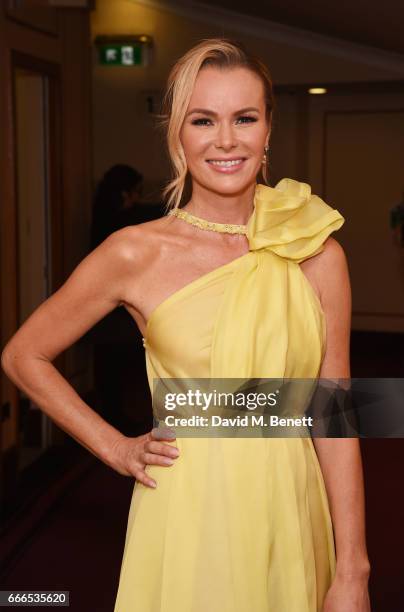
(121, 55)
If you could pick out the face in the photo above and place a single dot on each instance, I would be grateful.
(224, 139)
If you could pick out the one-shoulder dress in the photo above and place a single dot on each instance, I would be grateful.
(239, 524)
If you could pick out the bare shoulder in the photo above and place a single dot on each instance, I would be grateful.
(328, 271)
(98, 284)
(134, 243)
(332, 256)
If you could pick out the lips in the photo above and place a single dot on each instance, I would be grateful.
(227, 166)
(226, 163)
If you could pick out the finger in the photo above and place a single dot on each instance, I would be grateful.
(153, 459)
(142, 477)
(160, 448)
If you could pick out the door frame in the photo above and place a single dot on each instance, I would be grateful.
(9, 299)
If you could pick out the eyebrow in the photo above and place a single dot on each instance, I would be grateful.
(206, 111)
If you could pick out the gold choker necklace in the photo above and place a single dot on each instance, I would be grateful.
(227, 228)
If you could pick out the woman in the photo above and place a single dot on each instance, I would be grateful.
(246, 284)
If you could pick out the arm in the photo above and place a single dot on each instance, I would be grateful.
(340, 458)
(92, 290)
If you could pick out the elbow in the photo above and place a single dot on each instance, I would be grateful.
(7, 360)
(16, 358)
(10, 359)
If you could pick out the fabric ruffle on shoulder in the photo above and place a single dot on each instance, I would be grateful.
(291, 221)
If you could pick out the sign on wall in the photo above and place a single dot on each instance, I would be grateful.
(124, 50)
(121, 55)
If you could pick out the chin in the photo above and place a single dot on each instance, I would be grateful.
(229, 185)
(221, 184)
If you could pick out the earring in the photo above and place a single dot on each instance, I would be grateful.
(264, 159)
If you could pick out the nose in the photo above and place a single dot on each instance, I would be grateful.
(225, 137)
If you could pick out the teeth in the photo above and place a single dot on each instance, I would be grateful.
(233, 162)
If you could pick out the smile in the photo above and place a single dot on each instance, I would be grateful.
(230, 165)
(232, 162)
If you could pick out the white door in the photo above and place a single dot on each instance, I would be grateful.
(31, 107)
(356, 163)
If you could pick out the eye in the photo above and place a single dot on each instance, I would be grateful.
(253, 119)
(245, 118)
(198, 121)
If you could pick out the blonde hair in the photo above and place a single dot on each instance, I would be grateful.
(217, 52)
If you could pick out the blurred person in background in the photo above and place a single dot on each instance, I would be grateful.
(116, 195)
(119, 371)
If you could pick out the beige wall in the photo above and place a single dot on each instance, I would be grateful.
(123, 130)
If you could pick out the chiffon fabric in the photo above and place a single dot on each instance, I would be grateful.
(239, 524)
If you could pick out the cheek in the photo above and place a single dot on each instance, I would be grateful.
(255, 141)
(194, 144)
(186, 141)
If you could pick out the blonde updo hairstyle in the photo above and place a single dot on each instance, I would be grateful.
(218, 52)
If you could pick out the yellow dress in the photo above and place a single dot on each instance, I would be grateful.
(239, 524)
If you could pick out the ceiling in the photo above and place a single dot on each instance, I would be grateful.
(378, 24)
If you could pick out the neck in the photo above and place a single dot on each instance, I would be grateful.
(235, 208)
